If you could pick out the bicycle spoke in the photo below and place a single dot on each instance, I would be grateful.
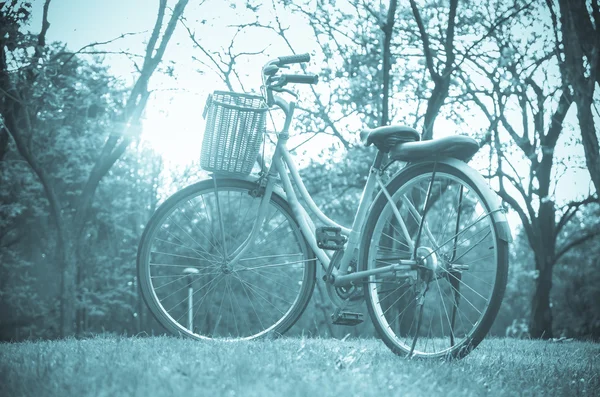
(448, 221)
(193, 208)
(188, 247)
(274, 265)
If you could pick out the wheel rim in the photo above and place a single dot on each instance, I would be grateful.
(186, 261)
(436, 310)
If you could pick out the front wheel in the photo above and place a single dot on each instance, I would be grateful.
(183, 262)
(446, 305)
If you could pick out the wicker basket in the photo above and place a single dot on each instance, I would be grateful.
(235, 125)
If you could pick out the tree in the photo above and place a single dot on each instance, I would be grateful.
(579, 61)
(23, 79)
(441, 78)
(25, 307)
(515, 86)
(106, 281)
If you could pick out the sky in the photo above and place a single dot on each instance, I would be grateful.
(172, 123)
(168, 119)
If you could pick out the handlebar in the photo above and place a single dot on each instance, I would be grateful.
(289, 59)
(300, 78)
(274, 81)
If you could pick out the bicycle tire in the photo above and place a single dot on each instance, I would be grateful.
(397, 305)
(192, 230)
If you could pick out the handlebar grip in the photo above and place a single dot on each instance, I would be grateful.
(301, 78)
(298, 58)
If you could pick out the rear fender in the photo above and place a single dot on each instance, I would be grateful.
(503, 229)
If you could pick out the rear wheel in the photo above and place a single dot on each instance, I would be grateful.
(445, 306)
(184, 253)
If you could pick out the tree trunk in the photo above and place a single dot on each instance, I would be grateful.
(434, 105)
(441, 79)
(589, 136)
(3, 143)
(582, 40)
(540, 325)
(68, 288)
(388, 31)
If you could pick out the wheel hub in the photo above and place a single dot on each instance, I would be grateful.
(225, 269)
(428, 260)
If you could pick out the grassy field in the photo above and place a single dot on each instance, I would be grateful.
(163, 366)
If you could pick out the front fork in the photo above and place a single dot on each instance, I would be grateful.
(268, 184)
(260, 218)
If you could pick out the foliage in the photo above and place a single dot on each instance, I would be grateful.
(336, 183)
(518, 86)
(107, 289)
(107, 282)
(41, 82)
(25, 310)
(513, 318)
(576, 288)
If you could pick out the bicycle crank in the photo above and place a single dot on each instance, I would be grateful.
(345, 298)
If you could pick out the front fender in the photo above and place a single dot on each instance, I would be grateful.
(277, 189)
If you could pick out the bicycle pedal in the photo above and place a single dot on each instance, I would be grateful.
(340, 317)
(330, 238)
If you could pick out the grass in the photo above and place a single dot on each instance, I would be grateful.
(165, 366)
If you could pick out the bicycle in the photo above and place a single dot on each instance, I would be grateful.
(234, 257)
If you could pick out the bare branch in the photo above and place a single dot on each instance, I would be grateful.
(162, 5)
(314, 134)
(596, 13)
(517, 208)
(571, 210)
(96, 44)
(222, 72)
(519, 186)
(135, 105)
(557, 119)
(322, 107)
(388, 31)
(41, 43)
(166, 37)
(575, 243)
(557, 42)
(425, 39)
(449, 43)
(374, 14)
(54, 205)
(126, 53)
(491, 30)
(224, 68)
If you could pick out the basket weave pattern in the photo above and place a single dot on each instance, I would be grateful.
(235, 125)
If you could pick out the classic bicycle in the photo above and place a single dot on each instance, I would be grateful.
(234, 257)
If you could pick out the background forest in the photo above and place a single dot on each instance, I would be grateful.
(80, 175)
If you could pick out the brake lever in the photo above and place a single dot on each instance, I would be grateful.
(276, 81)
(270, 70)
(286, 90)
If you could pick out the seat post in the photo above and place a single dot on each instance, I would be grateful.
(379, 158)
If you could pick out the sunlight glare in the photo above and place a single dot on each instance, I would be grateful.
(175, 134)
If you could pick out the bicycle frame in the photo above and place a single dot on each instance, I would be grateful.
(282, 166)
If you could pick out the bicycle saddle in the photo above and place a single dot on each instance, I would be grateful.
(458, 146)
(387, 137)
